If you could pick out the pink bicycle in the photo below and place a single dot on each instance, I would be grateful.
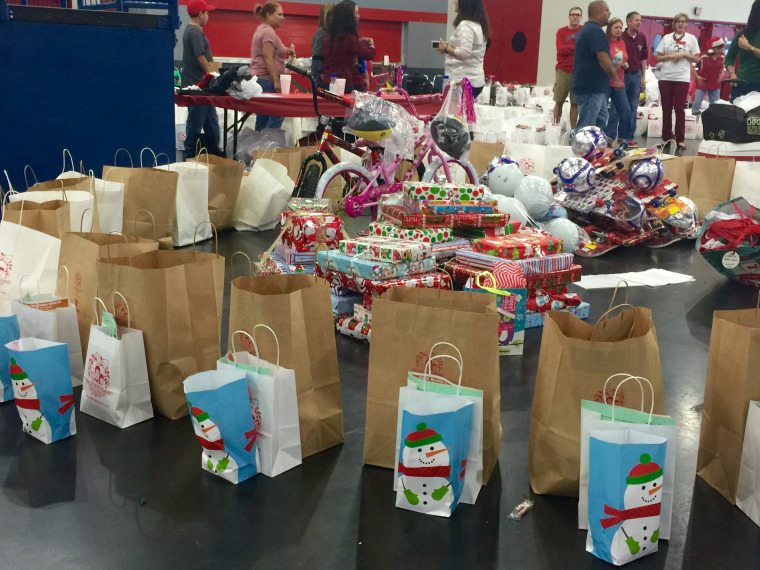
(366, 186)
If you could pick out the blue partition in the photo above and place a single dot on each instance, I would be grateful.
(88, 81)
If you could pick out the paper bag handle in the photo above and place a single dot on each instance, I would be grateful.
(276, 340)
(168, 160)
(638, 379)
(131, 162)
(71, 158)
(68, 278)
(95, 301)
(449, 274)
(152, 219)
(443, 343)
(213, 230)
(234, 349)
(113, 304)
(81, 221)
(155, 158)
(605, 316)
(266, 149)
(614, 294)
(21, 292)
(268, 252)
(666, 144)
(28, 167)
(250, 263)
(427, 372)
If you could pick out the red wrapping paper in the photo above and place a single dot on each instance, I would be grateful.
(519, 246)
(308, 229)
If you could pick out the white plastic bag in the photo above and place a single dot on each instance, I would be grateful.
(748, 488)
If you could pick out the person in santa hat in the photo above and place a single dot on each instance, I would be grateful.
(708, 73)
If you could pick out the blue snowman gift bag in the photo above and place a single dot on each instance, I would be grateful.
(433, 439)
(8, 332)
(41, 379)
(223, 423)
(624, 494)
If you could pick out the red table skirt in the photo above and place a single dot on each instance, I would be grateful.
(293, 105)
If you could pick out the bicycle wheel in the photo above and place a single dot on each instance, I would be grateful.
(461, 172)
(354, 179)
(311, 170)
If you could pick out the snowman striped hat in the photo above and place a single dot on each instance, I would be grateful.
(17, 373)
(423, 436)
(644, 472)
(198, 414)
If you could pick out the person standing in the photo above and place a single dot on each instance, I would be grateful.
(317, 42)
(466, 47)
(746, 46)
(676, 52)
(268, 55)
(196, 55)
(708, 73)
(342, 48)
(619, 122)
(638, 52)
(563, 73)
(593, 69)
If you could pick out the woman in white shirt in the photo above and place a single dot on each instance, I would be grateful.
(676, 53)
(467, 45)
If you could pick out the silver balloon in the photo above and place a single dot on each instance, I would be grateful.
(576, 174)
(645, 175)
(501, 160)
(589, 143)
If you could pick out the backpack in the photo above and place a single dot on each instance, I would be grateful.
(729, 123)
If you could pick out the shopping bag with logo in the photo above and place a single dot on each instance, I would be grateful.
(192, 202)
(42, 388)
(221, 415)
(8, 332)
(598, 415)
(80, 252)
(51, 218)
(654, 122)
(299, 309)
(732, 382)
(24, 251)
(264, 193)
(274, 403)
(49, 316)
(115, 387)
(428, 382)
(433, 438)
(574, 361)
(626, 478)
(175, 299)
(224, 179)
(748, 487)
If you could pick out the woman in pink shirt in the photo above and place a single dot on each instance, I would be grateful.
(268, 55)
(620, 120)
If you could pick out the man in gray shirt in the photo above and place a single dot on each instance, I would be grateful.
(196, 54)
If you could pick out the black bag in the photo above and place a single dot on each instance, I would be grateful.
(417, 84)
(729, 123)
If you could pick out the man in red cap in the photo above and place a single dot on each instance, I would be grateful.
(708, 73)
(196, 55)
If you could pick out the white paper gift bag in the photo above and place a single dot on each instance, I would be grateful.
(50, 317)
(654, 123)
(264, 193)
(192, 202)
(746, 175)
(748, 489)
(115, 388)
(274, 404)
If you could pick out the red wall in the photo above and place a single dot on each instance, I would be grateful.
(507, 18)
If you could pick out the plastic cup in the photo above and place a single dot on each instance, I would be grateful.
(285, 84)
(340, 86)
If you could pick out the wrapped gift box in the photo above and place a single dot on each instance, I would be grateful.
(293, 257)
(554, 278)
(536, 265)
(456, 207)
(406, 218)
(310, 205)
(385, 229)
(308, 229)
(352, 327)
(449, 249)
(375, 288)
(357, 266)
(362, 314)
(542, 301)
(275, 265)
(519, 246)
(385, 249)
(416, 191)
(533, 319)
(478, 233)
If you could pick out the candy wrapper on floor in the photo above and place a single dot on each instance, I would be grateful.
(42, 389)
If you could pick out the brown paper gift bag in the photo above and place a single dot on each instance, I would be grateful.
(711, 181)
(148, 190)
(224, 178)
(406, 323)
(679, 170)
(732, 381)
(175, 298)
(79, 253)
(298, 308)
(573, 367)
(78, 211)
(51, 218)
(482, 153)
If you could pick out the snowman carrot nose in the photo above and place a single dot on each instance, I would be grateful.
(436, 452)
(24, 388)
(653, 491)
(209, 428)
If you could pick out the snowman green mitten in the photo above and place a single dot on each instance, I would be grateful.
(439, 493)
(222, 465)
(656, 535)
(411, 497)
(210, 465)
(633, 546)
(37, 424)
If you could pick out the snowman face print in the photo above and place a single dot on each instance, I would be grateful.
(650, 493)
(207, 430)
(23, 389)
(429, 455)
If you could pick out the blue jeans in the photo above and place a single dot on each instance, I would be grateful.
(699, 95)
(620, 114)
(266, 121)
(633, 91)
(201, 118)
(592, 110)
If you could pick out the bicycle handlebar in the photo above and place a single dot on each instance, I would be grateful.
(306, 74)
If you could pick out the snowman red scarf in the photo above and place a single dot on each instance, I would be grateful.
(439, 471)
(626, 514)
(28, 404)
(217, 445)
